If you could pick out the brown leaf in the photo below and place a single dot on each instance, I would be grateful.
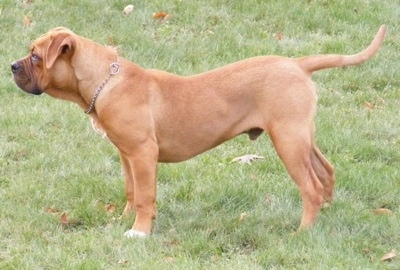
(161, 15)
(27, 2)
(382, 211)
(110, 41)
(389, 256)
(110, 208)
(173, 242)
(27, 21)
(52, 210)
(369, 105)
(254, 177)
(366, 250)
(278, 36)
(64, 218)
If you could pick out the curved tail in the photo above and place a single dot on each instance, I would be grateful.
(317, 62)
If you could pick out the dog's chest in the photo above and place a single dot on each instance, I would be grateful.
(98, 128)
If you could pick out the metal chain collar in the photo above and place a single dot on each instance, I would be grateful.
(114, 69)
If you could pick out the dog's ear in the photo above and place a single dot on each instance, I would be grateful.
(60, 43)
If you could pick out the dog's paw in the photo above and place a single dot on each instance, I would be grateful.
(134, 234)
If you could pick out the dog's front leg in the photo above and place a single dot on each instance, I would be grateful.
(140, 181)
(129, 186)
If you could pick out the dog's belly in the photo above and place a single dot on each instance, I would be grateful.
(188, 147)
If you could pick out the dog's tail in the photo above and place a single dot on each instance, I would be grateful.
(317, 62)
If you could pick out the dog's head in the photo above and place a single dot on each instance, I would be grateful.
(48, 65)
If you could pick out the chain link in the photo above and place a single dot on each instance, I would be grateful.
(114, 69)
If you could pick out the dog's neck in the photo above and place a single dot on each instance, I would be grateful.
(114, 70)
(94, 77)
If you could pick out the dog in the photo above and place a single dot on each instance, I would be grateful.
(154, 116)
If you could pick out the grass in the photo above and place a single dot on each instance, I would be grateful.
(51, 159)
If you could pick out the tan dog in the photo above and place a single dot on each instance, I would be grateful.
(153, 116)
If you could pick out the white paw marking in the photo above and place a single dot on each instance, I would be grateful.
(134, 234)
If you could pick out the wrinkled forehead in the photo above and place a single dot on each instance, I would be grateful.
(42, 42)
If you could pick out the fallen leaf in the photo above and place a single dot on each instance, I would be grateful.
(366, 250)
(110, 208)
(247, 159)
(389, 256)
(52, 210)
(27, 21)
(268, 199)
(27, 2)
(174, 242)
(122, 261)
(243, 216)
(278, 36)
(161, 15)
(325, 205)
(109, 226)
(69, 223)
(369, 105)
(128, 9)
(110, 41)
(253, 177)
(382, 211)
(169, 260)
(64, 218)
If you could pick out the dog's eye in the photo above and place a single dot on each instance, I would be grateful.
(34, 57)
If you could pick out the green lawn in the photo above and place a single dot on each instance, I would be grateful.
(60, 182)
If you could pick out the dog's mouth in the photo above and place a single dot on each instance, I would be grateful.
(23, 81)
(35, 92)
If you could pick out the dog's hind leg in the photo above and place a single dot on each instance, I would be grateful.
(324, 171)
(293, 142)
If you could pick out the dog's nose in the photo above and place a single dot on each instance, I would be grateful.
(15, 67)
